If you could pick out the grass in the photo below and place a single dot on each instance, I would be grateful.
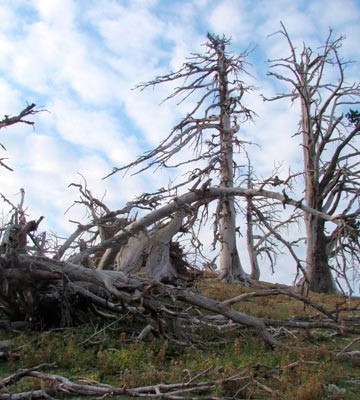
(111, 358)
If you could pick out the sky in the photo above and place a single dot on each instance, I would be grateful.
(80, 59)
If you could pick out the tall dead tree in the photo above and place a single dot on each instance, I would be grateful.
(331, 157)
(210, 129)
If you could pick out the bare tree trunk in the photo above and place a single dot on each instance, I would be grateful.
(154, 247)
(108, 258)
(230, 265)
(318, 273)
(158, 265)
(130, 258)
(318, 81)
(254, 265)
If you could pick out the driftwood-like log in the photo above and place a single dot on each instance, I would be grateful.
(158, 265)
(193, 388)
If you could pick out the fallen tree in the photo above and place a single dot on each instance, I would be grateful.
(194, 198)
(30, 275)
(42, 292)
(48, 291)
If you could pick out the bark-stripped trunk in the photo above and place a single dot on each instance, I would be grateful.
(230, 266)
(158, 265)
(254, 265)
(130, 258)
(318, 273)
(151, 250)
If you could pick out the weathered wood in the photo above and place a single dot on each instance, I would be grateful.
(65, 282)
(187, 390)
(207, 194)
(158, 265)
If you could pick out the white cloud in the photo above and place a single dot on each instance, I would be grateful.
(95, 130)
(230, 18)
(57, 12)
(8, 18)
(10, 103)
(122, 32)
(335, 13)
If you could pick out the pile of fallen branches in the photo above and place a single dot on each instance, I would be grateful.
(38, 289)
(49, 292)
(196, 387)
(46, 292)
(41, 292)
(202, 385)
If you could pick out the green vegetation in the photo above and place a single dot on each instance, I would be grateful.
(307, 369)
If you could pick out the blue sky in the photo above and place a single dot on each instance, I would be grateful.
(80, 59)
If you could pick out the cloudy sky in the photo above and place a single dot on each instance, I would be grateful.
(79, 60)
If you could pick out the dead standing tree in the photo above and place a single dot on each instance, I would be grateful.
(211, 129)
(267, 230)
(330, 154)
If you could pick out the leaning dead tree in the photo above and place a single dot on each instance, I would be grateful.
(150, 250)
(210, 130)
(330, 132)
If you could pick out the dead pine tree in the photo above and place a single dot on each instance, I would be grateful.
(210, 130)
(330, 154)
(267, 228)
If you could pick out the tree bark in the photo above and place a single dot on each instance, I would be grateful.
(318, 271)
(152, 251)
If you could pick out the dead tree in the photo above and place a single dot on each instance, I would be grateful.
(266, 227)
(18, 230)
(49, 292)
(330, 154)
(210, 129)
(151, 249)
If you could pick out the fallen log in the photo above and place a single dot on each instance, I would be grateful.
(45, 293)
(193, 388)
(39, 289)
